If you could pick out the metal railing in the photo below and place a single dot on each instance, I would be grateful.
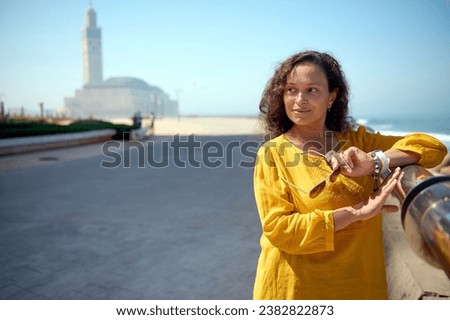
(425, 214)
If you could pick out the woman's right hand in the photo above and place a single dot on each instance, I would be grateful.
(368, 208)
(375, 204)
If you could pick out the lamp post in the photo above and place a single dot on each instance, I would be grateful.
(41, 106)
(2, 107)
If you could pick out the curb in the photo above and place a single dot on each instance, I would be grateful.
(38, 143)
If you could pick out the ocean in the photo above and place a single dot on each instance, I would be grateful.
(437, 125)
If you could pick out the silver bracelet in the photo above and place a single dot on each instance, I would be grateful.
(378, 166)
(385, 161)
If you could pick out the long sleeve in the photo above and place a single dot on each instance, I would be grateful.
(430, 150)
(287, 229)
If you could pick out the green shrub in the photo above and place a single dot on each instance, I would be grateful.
(14, 129)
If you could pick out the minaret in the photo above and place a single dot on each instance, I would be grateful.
(92, 49)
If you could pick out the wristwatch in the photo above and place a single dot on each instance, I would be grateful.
(381, 166)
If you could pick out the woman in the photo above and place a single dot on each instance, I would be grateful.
(316, 187)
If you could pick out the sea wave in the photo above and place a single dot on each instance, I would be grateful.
(444, 138)
(436, 127)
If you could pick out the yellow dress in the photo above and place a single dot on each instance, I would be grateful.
(302, 257)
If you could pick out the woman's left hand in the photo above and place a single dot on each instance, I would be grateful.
(353, 162)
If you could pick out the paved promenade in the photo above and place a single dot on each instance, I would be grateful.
(70, 229)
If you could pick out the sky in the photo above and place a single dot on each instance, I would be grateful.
(215, 57)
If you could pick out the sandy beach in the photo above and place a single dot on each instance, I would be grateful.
(201, 125)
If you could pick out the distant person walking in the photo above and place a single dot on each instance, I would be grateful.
(137, 119)
(152, 120)
(317, 188)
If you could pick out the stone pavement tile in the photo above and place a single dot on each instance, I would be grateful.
(32, 296)
(60, 284)
(119, 293)
(71, 295)
(7, 254)
(103, 277)
(12, 291)
(5, 282)
(90, 291)
(95, 292)
(13, 261)
(26, 276)
(50, 261)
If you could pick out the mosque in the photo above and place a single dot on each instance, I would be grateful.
(115, 97)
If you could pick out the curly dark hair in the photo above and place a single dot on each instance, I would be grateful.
(272, 104)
